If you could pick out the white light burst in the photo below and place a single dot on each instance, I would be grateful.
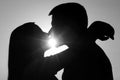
(52, 42)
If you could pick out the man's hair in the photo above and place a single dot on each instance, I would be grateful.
(72, 11)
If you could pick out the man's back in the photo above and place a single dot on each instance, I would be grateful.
(89, 63)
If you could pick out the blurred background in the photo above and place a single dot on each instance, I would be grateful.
(13, 13)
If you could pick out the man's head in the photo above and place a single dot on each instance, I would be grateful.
(69, 17)
(69, 14)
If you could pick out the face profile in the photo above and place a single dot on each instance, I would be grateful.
(68, 18)
(25, 49)
(84, 59)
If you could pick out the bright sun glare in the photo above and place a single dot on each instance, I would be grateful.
(52, 42)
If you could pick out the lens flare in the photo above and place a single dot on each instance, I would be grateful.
(54, 49)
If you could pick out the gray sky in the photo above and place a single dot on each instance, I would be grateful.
(16, 12)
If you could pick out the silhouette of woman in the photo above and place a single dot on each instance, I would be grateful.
(26, 50)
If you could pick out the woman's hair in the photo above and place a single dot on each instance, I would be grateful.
(101, 30)
(24, 42)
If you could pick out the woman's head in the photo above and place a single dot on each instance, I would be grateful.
(101, 30)
(26, 35)
(24, 43)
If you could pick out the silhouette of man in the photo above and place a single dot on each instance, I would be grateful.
(82, 60)
(26, 50)
(69, 24)
(66, 17)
